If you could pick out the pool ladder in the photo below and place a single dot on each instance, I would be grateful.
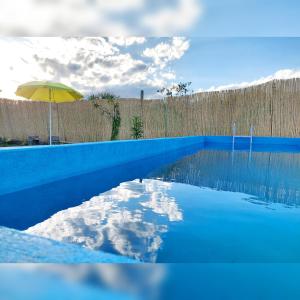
(234, 136)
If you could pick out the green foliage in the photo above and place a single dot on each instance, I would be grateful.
(109, 96)
(180, 89)
(166, 92)
(3, 142)
(113, 113)
(11, 143)
(102, 95)
(137, 128)
(116, 122)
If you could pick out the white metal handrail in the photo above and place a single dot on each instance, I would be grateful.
(234, 135)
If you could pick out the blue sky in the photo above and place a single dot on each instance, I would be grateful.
(248, 18)
(150, 17)
(200, 47)
(222, 61)
(206, 53)
(127, 65)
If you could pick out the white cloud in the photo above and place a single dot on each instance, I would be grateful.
(98, 17)
(117, 5)
(65, 17)
(131, 218)
(169, 75)
(127, 41)
(88, 64)
(173, 19)
(281, 74)
(166, 52)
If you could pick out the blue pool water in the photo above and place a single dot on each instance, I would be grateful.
(194, 205)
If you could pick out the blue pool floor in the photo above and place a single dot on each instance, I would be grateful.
(190, 206)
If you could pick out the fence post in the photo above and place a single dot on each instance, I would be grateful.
(165, 116)
(142, 104)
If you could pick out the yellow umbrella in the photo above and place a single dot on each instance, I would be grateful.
(49, 92)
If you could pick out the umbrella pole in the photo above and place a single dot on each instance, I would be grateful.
(50, 123)
(50, 119)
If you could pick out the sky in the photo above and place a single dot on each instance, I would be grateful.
(150, 17)
(215, 44)
(247, 18)
(124, 66)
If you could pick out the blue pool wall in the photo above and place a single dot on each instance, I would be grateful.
(25, 167)
(264, 141)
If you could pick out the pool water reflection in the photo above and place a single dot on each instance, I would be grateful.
(129, 220)
(212, 206)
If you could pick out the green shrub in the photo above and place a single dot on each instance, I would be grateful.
(113, 113)
(137, 128)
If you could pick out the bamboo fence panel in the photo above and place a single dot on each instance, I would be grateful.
(272, 108)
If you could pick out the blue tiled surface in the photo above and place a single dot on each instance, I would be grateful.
(256, 140)
(45, 282)
(24, 167)
(19, 247)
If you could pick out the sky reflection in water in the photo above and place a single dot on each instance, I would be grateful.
(128, 220)
(207, 207)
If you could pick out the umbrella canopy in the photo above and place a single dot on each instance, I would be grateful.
(48, 91)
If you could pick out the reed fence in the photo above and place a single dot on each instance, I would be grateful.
(272, 108)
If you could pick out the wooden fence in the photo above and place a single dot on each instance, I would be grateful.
(272, 108)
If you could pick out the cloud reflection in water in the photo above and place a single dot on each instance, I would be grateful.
(129, 220)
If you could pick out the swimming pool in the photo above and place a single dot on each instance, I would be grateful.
(198, 204)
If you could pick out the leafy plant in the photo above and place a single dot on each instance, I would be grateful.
(113, 113)
(179, 89)
(137, 129)
(166, 91)
(4, 142)
(182, 88)
(116, 121)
